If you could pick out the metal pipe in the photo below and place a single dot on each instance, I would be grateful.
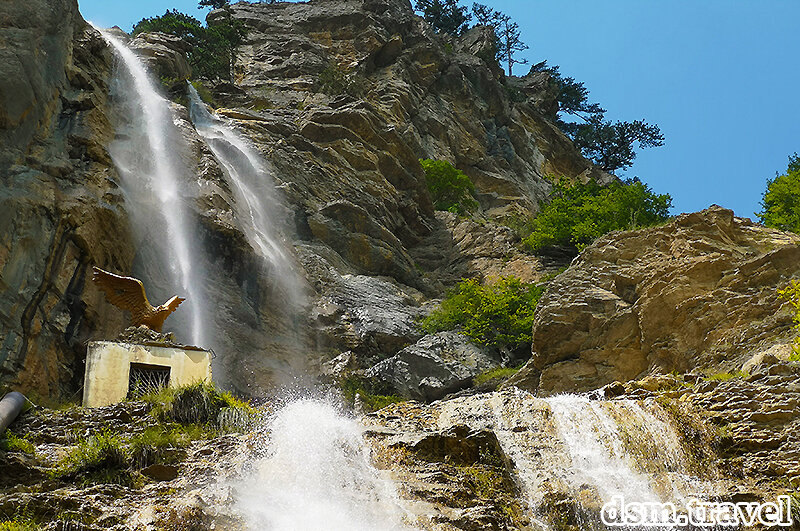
(10, 407)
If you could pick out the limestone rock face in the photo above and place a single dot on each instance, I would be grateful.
(348, 157)
(698, 292)
(165, 53)
(60, 209)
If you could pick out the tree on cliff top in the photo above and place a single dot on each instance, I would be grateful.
(507, 35)
(781, 201)
(213, 48)
(446, 16)
(610, 145)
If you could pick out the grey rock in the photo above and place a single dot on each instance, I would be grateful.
(434, 366)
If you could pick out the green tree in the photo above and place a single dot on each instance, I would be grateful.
(508, 42)
(781, 201)
(450, 188)
(446, 16)
(610, 145)
(214, 4)
(573, 96)
(213, 48)
(579, 213)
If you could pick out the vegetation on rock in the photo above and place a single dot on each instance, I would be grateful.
(450, 188)
(792, 294)
(446, 16)
(507, 35)
(579, 213)
(496, 314)
(212, 48)
(371, 398)
(781, 201)
(336, 80)
(610, 145)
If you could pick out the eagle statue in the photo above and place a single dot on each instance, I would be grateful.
(128, 294)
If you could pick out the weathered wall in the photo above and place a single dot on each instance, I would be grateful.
(108, 367)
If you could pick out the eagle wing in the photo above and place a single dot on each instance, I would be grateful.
(124, 292)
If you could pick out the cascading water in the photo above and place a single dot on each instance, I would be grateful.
(144, 154)
(588, 450)
(256, 197)
(317, 475)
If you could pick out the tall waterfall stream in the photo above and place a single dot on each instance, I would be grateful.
(315, 471)
(155, 182)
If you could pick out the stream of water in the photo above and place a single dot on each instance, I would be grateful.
(146, 154)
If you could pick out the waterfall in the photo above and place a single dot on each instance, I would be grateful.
(256, 200)
(317, 475)
(146, 155)
(591, 450)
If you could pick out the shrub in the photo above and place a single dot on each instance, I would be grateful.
(496, 314)
(781, 200)
(792, 294)
(100, 458)
(579, 213)
(156, 445)
(200, 404)
(450, 188)
(336, 80)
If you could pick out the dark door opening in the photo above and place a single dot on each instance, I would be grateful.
(145, 378)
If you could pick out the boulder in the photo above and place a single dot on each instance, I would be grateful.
(434, 366)
(166, 54)
(696, 293)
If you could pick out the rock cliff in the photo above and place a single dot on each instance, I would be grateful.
(341, 98)
(697, 293)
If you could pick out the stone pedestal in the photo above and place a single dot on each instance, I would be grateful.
(108, 368)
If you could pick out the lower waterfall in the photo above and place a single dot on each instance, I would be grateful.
(588, 452)
(316, 475)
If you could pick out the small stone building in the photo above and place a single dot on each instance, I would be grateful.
(115, 370)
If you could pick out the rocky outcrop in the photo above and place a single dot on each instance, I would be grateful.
(60, 209)
(696, 293)
(418, 97)
(436, 365)
(166, 54)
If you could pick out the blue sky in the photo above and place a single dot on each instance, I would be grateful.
(719, 77)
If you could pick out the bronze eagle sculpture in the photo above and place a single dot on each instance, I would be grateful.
(128, 294)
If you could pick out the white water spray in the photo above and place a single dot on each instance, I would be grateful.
(145, 155)
(256, 199)
(317, 475)
(596, 450)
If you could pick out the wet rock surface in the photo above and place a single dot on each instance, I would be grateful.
(698, 292)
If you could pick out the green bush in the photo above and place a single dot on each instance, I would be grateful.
(101, 458)
(199, 404)
(781, 201)
(579, 213)
(450, 188)
(792, 294)
(336, 80)
(497, 314)
(212, 48)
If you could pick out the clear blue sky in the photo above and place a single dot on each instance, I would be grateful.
(719, 77)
